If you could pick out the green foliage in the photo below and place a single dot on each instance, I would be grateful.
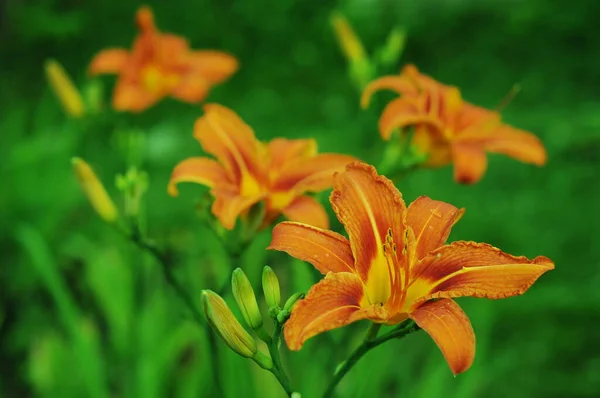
(85, 313)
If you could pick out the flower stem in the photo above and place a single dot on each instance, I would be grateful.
(369, 343)
(183, 294)
(277, 370)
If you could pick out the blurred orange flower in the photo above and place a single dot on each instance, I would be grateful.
(161, 65)
(247, 171)
(448, 129)
(394, 264)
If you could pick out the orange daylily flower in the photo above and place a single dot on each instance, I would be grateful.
(394, 264)
(246, 171)
(448, 129)
(160, 65)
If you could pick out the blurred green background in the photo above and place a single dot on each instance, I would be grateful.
(84, 313)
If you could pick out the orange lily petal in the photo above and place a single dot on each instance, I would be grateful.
(132, 97)
(516, 143)
(428, 140)
(307, 210)
(199, 170)
(470, 162)
(451, 330)
(311, 174)
(223, 134)
(403, 112)
(191, 89)
(145, 19)
(476, 270)
(282, 150)
(399, 84)
(214, 66)
(332, 303)
(326, 250)
(109, 61)
(229, 204)
(370, 207)
(431, 221)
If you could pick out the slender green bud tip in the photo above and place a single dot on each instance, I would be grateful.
(270, 285)
(289, 304)
(263, 360)
(224, 323)
(245, 298)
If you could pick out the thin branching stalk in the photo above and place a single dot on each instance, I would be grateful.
(370, 342)
(277, 367)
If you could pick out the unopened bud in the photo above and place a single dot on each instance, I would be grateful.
(284, 314)
(64, 89)
(263, 360)
(94, 190)
(222, 320)
(270, 285)
(245, 298)
(347, 39)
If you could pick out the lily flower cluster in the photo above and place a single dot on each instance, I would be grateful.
(394, 263)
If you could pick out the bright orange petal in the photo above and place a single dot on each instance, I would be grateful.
(229, 204)
(398, 84)
(307, 210)
(451, 330)
(332, 303)
(477, 270)
(470, 162)
(191, 89)
(326, 250)
(281, 150)
(214, 66)
(431, 221)
(371, 209)
(401, 113)
(144, 18)
(199, 170)
(518, 144)
(428, 141)
(223, 134)
(311, 174)
(129, 96)
(109, 61)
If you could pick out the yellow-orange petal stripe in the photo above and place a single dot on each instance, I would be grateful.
(476, 270)
(109, 61)
(203, 171)
(451, 330)
(332, 303)
(307, 210)
(431, 221)
(327, 251)
(369, 205)
(223, 134)
(311, 174)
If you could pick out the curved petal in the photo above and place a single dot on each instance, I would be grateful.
(191, 89)
(470, 163)
(307, 210)
(311, 174)
(451, 330)
(518, 144)
(326, 250)
(199, 170)
(281, 150)
(476, 270)
(332, 303)
(399, 84)
(229, 204)
(144, 19)
(214, 66)
(431, 221)
(428, 140)
(129, 96)
(374, 215)
(109, 61)
(403, 112)
(223, 134)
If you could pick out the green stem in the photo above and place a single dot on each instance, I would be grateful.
(400, 331)
(277, 370)
(162, 259)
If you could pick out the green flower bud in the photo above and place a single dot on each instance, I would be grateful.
(222, 320)
(284, 314)
(244, 296)
(270, 285)
(263, 360)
